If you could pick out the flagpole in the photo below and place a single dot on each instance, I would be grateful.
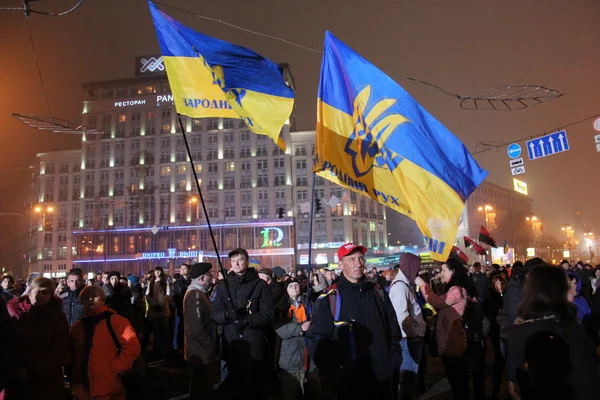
(310, 236)
(212, 236)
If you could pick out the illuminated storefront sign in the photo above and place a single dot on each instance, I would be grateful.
(149, 65)
(327, 245)
(173, 253)
(520, 186)
(272, 237)
(128, 103)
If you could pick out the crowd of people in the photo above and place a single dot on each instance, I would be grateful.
(267, 333)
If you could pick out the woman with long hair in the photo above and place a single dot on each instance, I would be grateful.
(451, 337)
(550, 354)
(157, 296)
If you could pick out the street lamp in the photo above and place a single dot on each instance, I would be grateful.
(40, 209)
(569, 232)
(486, 209)
(533, 218)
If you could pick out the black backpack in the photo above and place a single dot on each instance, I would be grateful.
(135, 376)
(475, 324)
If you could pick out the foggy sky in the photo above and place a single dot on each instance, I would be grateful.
(466, 46)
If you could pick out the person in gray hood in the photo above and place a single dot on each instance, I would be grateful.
(410, 318)
(291, 327)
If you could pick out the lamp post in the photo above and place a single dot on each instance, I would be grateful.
(194, 200)
(486, 209)
(590, 240)
(533, 218)
(569, 232)
(42, 209)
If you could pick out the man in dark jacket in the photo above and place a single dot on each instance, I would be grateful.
(480, 281)
(201, 339)
(72, 306)
(354, 335)
(245, 324)
(178, 292)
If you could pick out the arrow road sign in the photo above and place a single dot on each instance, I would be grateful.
(547, 145)
(517, 170)
(517, 162)
(514, 150)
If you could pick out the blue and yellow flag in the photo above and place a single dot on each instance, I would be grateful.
(375, 139)
(213, 78)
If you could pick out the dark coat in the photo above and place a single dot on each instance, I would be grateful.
(252, 293)
(6, 345)
(178, 293)
(72, 307)
(582, 379)
(41, 339)
(512, 296)
(481, 284)
(374, 327)
(201, 339)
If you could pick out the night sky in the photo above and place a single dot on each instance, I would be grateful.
(464, 46)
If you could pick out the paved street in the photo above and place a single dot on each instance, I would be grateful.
(168, 381)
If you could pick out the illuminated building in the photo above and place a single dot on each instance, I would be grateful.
(130, 203)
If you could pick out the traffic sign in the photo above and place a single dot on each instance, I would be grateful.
(517, 162)
(547, 145)
(514, 150)
(597, 139)
(596, 124)
(517, 170)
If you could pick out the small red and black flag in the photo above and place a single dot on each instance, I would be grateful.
(471, 242)
(484, 236)
(459, 255)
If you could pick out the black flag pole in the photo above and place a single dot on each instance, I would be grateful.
(212, 236)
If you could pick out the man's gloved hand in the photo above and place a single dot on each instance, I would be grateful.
(234, 315)
(241, 323)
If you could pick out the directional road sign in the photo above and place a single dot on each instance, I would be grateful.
(517, 170)
(547, 145)
(514, 150)
(517, 162)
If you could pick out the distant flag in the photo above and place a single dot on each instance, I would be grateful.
(459, 255)
(505, 246)
(375, 139)
(212, 78)
(470, 242)
(333, 201)
(485, 237)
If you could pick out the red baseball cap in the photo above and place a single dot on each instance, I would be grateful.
(349, 248)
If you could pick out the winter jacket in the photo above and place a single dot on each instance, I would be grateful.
(449, 326)
(370, 347)
(178, 292)
(158, 306)
(289, 329)
(250, 292)
(7, 294)
(481, 284)
(408, 310)
(72, 306)
(138, 307)
(6, 345)
(41, 340)
(583, 380)
(105, 364)
(512, 297)
(201, 339)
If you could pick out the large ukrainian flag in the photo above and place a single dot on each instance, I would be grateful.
(213, 78)
(375, 139)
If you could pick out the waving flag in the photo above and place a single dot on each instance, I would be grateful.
(459, 255)
(213, 78)
(375, 139)
(485, 237)
(470, 242)
(505, 246)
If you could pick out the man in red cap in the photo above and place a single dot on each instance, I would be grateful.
(354, 334)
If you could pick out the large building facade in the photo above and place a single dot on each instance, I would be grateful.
(127, 200)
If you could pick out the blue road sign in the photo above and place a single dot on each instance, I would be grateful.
(547, 145)
(514, 150)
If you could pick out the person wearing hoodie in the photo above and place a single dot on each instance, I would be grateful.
(291, 326)
(410, 319)
(97, 362)
(583, 307)
(41, 344)
(245, 324)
